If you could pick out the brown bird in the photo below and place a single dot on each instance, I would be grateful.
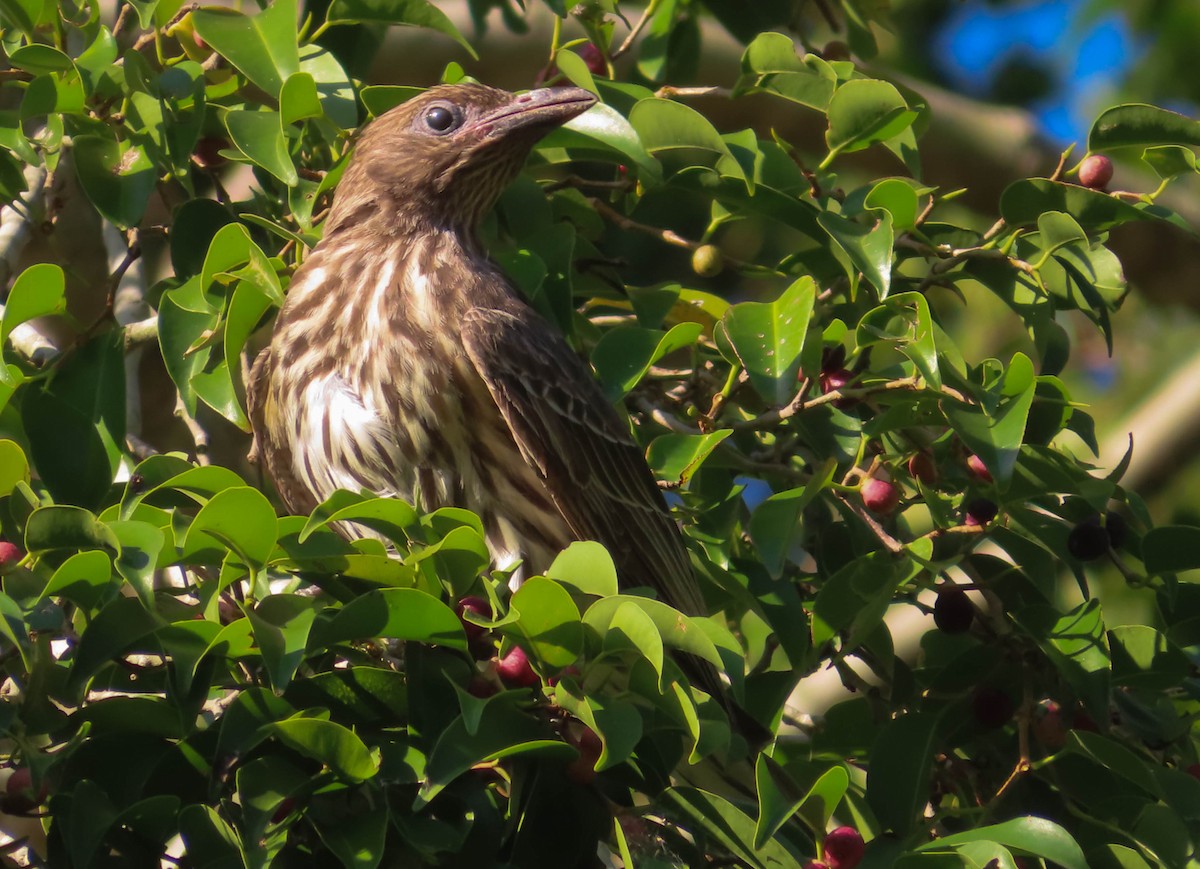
(404, 363)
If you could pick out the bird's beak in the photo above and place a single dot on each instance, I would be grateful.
(537, 110)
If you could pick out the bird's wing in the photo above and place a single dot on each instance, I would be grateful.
(272, 451)
(575, 441)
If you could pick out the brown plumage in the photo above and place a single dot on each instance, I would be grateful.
(405, 364)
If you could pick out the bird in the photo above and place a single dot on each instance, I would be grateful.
(405, 363)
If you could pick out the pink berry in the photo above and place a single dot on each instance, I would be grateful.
(1095, 171)
(1193, 770)
(837, 379)
(921, 467)
(976, 466)
(479, 607)
(816, 864)
(10, 554)
(594, 58)
(880, 496)
(582, 770)
(844, 848)
(514, 669)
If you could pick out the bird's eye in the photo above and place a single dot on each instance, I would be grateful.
(441, 119)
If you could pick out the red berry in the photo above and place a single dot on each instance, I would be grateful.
(880, 496)
(837, 379)
(594, 58)
(992, 707)
(1048, 726)
(582, 769)
(921, 467)
(1095, 171)
(844, 848)
(976, 466)
(1193, 770)
(10, 554)
(570, 671)
(816, 864)
(19, 795)
(980, 511)
(515, 670)
(285, 809)
(479, 607)
(1082, 721)
(953, 611)
(207, 152)
(481, 687)
(1088, 540)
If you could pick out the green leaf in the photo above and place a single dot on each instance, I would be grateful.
(904, 322)
(549, 621)
(677, 630)
(358, 840)
(141, 544)
(260, 137)
(862, 112)
(624, 355)
(334, 88)
(1023, 202)
(1167, 161)
(38, 292)
(262, 47)
(241, 519)
(996, 437)
(408, 13)
(586, 567)
(331, 744)
(1076, 645)
(281, 625)
(502, 731)
(1134, 125)
(14, 467)
(779, 798)
(631, 628)
(121, 624)
(898, 198)
(1036, 836)
(901, 764)
(773, 524)
(768, 337)
(391, 517)
(675, 131)
(1171, 549)
(575, 69)
(84, 579)
(727, 825)
(63, 527)
(602, 128)
(298, 99)
(869, 248)
(676, 457)
(1144, 658)
(118, 178)
(395, 613)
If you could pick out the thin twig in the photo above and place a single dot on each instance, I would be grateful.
(141, 332)
(638, 27)
(666, 92)
(667, 236)
(199, 435)
(664, 418)
(890, 543)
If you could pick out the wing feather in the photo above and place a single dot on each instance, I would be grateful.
(574, 439)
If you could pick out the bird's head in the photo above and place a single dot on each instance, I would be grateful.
(447, 153)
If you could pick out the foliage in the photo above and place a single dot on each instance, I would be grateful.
(187, 672)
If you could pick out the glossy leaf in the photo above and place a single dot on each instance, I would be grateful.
(263, 47)
(768, 337)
